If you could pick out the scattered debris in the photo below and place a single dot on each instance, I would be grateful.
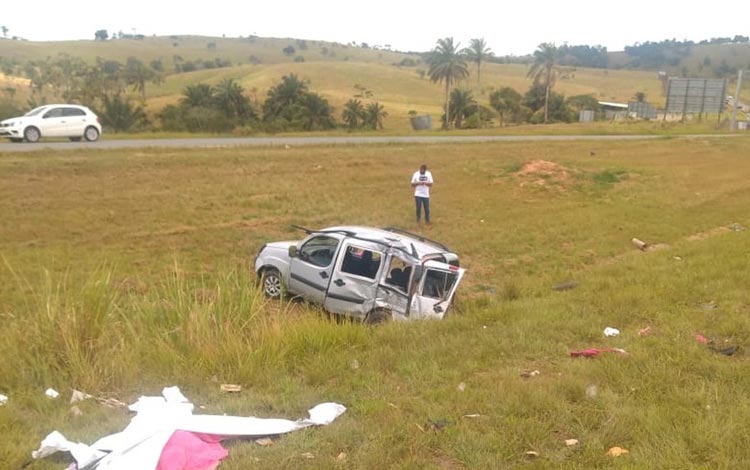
(530, 374)
(725, 351)
(264, 442)
(52, 393)
(568, 285)
(701, 339)
(308, 455)
(436, 426)
(392, 405)
(354, 364)
(461, 387)
(571, 442)
(640, 244)
(591, 391)
(78, 395)
(609, 331)
(341, 457)
(75, 411)
(644, 331)
(532, 454)
(677, 258)
(617, 451)
(710, 305)
(231, 388)
(476, 415)
(737, 227)
(593, 352)
(3, 399)
(194, 438)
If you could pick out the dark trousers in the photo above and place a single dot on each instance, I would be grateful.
(423, 201)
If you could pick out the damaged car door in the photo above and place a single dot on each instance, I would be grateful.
(311, 268)
(435, 290)
(354, 284)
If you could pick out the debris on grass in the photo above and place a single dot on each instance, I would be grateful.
(617, 452)
(3, 399)
(75, 411)
(568, 285)
(593, 352)
(737, 227)
(609, 331)
(264, 442)
(52, 393)
(701, 339)
(729, 351)
(644, 331)
(640, 244)
(475, 415)
(78, 395)
(529, 374)
(341, 457)
(711, 305)
(435, 426)
(591, 391)
(571, 442)
(308, 455)
(461, 387)
(354, 364)
(531, 454)
(230, 388)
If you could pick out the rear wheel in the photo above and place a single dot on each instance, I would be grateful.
(91, 134)
(273, 285)
(32, 134)
(378, 315)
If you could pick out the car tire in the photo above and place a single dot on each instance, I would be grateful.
(91, 134)
(74, 139)
(272, 283)
(378, 315)
(16, 140)
(32, 134)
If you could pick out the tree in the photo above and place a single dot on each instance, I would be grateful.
(289, 50)
(198, 95)
(507, 103)
(353, 113)
(286, 94)
(315, 113)
(121, 115)
(229, 97)
(101, 35)
(544, 70)
(640, 96)
(374, 115)
(137, 74)
(446, 65)
(5, 31)
(478, 52)
(461, 103)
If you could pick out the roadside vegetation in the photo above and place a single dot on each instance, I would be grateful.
(127, 271)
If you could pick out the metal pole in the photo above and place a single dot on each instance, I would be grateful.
(733, 126)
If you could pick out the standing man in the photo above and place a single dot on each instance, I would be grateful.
(421, 181)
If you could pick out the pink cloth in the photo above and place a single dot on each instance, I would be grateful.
(192, 451)
(593, 352)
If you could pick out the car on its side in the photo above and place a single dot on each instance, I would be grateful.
(53, 120)
(367, 273)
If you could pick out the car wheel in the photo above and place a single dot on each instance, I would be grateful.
(91, 134)
(16, 140)
(32, 134)
(273, 285)
(74, 139)
(378, 315)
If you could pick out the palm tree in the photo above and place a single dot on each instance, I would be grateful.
(353, 113)
(544, 70)
(282, 97)
(478, 52)
(461, 104)
(374, 115)
(198, 95)
(446, 65)
(316, 113)
(229, 96)
(137, 74)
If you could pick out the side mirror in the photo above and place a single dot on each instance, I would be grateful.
(293, 251)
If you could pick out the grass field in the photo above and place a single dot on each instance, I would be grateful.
(127, 271)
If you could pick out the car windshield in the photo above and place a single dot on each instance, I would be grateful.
(36, 111)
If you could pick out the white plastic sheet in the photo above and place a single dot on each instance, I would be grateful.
(140, 444)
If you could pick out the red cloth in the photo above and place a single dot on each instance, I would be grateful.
(192, 451)
(586, 353)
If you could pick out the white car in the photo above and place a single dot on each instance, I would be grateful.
(53, 120)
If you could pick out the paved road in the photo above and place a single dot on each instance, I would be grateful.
(226, 142)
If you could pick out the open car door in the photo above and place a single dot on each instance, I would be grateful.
(435, 290)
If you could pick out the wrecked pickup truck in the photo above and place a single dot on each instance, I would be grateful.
(368, 273)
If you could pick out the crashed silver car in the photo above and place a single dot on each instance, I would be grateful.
(368, 273)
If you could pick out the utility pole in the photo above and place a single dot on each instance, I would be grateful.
(733, 126)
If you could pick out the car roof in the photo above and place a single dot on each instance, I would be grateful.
(393, 237)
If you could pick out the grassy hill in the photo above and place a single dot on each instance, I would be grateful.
(339, 72)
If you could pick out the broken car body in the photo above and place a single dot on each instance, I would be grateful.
(368, 273)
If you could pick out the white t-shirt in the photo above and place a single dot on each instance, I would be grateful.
(422, 190)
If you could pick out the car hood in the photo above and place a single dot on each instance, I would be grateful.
(282, 245)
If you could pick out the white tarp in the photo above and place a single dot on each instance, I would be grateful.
(140, 444)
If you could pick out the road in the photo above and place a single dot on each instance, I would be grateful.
(228, 142)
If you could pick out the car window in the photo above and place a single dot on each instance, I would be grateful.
(73, 112)
(35, 111)
(399, 272)
(438, 284)
(319, 250)
(53, 113)
(361, 262)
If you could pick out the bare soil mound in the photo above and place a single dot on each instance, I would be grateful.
(544, 173)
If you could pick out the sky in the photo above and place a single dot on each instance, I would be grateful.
(515, 27)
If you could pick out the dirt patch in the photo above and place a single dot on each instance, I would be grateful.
(708, 234)
(544, 173)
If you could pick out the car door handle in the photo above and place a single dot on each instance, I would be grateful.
(339, 282)
(323, 274)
